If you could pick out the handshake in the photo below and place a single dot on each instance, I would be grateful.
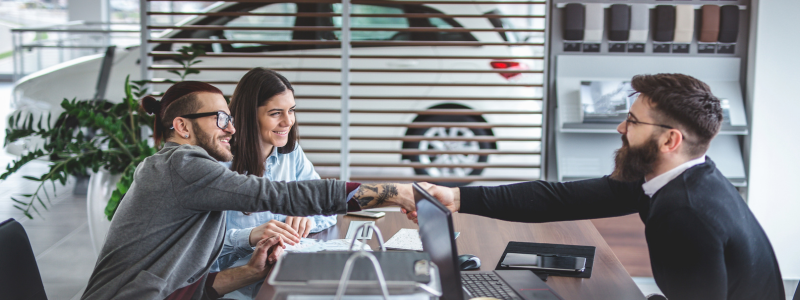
(449, 197)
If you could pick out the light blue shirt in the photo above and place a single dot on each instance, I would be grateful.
(292, 166)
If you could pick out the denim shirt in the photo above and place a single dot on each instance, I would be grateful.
(293, 166)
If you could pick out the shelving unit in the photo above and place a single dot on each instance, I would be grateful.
(586, 150)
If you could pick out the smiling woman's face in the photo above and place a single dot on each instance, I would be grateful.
(275, 119)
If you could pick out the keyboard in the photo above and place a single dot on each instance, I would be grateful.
(487, 284)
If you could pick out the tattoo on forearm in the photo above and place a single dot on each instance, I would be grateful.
(373, 195)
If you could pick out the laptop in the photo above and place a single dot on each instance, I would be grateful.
(438, 239)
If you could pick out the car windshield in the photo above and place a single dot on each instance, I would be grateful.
(371, 22)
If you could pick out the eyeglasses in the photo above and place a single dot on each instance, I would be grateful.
(223, 119)
(631, 121)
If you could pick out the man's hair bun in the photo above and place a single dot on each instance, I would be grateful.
(151, 105)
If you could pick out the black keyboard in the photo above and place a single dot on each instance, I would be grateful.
(487, 284)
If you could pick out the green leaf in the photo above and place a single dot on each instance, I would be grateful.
(20, 202)
(31, 178)
(122, 187)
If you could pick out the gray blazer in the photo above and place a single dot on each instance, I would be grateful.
(169, 227)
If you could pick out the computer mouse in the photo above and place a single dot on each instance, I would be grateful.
(468, 262)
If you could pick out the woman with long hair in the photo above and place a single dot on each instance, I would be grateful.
(266, 144)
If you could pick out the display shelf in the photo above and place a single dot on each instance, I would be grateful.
(586, 150)
(591, 155)
(612, 128)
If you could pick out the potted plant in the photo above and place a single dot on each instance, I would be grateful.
(110, 139)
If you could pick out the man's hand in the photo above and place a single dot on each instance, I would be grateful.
(273, 228)
(301, 225)
(371, 195)
(266, 253)
(449, 197)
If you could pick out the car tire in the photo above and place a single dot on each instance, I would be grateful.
(440, 145)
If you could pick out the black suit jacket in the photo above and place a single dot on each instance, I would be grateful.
(704, 241)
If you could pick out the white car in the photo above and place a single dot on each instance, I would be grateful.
(440, 88)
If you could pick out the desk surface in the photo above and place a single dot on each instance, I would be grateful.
(487, 238)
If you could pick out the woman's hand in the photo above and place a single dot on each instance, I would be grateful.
(301, 225)
(273, 228)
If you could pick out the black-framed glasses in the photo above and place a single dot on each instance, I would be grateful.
(631, 121)
(223, 119)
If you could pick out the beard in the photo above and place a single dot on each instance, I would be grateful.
(207, 142)
(633, 163)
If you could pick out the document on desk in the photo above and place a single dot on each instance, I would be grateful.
(418, 296)
(312, 245)
(406, 239)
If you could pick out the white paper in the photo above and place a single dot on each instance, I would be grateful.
(312, 245)
(405, 239)
(418, 296)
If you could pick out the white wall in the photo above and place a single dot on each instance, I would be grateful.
(774, 188)
(88, 10)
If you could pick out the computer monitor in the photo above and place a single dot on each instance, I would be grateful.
(438, 239)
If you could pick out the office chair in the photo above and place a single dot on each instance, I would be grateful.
(664, 26)
(619, 22)
(640, 23)
(709, 29)
(656, 297)
(19, 274)
(728, 23)
(574, 21)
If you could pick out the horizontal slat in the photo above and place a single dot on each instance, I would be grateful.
(439, 179)
(310, 14)
(364, 1)
(424, 138)
(442, 98)
(433, 165)
(170, 81)
(332, 28)
(354, 43)
(425, 125)
(243, 69)
(423, 152)
(459, 112)
(77, 31)
(439, 43)
(209, 41)
(331, 56)
(410, 98)
(60, 47)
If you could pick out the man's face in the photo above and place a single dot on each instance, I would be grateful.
(207, 134)
(640, 144)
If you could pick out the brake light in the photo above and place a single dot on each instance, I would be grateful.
(508, 65)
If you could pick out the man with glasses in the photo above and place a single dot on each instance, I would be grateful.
(704, 241)
(170, 225)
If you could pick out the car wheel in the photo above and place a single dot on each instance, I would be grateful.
(448, 145)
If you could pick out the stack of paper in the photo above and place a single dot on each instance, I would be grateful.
(312, 245)
(406, 239)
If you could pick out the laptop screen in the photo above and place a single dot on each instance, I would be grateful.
(438, 239)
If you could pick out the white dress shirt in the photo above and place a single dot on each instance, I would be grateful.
(653, 185)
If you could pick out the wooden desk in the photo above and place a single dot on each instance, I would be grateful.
(487, 238)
